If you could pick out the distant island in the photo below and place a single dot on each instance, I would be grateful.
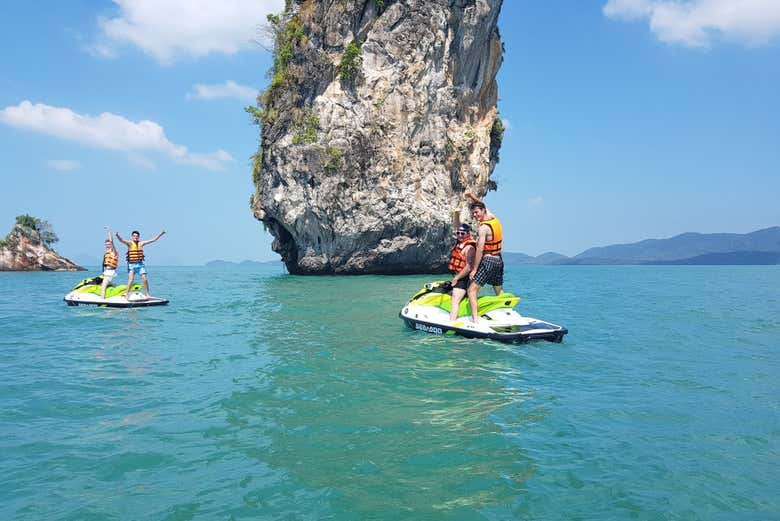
(761, 247)
(219, 263)
(28, 248)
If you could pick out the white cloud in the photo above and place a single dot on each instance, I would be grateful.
(63, 165)
(536, 201)
(169, 29)
(141, 161)
(506, 123)
(229, 89)
(696, 23)
(107, 131)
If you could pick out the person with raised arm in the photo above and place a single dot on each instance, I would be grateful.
(461, 262)
(110, 262)
(488, 265)
(135, 258)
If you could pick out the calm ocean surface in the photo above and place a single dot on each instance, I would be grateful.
(260, 395)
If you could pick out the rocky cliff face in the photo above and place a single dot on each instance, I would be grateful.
(23, 250)
(379, 116)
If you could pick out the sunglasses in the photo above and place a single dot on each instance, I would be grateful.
(462, 233)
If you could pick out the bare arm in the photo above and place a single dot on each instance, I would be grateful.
(480, 247)
(126, 243)
(468, 253)
(110, 237)
(473, 199)
(144, 243)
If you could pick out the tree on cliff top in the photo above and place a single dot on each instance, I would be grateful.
(42, 228)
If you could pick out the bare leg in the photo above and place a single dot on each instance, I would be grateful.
(498, 289)
(129, 283)
(146, 284)
(473, 291)
(103, 288)
(457, 296)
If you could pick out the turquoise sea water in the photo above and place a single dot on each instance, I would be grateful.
(259, 395)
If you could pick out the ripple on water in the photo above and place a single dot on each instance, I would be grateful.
(257, 395)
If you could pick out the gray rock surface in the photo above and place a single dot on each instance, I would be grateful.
(361, 160)
(23, 250)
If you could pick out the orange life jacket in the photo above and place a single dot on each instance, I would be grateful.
(493, 247)
(110, 260)
(135, 252)
(457, 259)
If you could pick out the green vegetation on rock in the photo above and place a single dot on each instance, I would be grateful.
(331, 160)
(288, 34)
(258, 116)
(37, 227)
(350, 62)
(497, 132)
(307, 132)
(257, 166)
(287, 37)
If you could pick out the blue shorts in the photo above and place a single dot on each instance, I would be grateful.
(136, 267)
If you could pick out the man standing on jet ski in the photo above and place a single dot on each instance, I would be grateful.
(135, 258)
(461, 263)
(110, 262)
(488, 265)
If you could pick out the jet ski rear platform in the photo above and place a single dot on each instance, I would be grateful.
(429, 311)
(87, 293)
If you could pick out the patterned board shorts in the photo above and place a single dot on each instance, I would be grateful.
(139, 268)
(490, 271)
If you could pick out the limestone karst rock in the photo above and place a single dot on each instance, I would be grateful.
(379, 116)
(24, 250)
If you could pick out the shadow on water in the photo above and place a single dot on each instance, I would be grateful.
(367, 416)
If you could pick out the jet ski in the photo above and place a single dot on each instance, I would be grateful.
(87, 292)
(429, 310)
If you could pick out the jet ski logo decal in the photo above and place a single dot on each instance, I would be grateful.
(429, 329)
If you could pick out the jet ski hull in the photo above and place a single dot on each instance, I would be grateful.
(429, 311)
(136, 300)
(87, 293)
(522, 331)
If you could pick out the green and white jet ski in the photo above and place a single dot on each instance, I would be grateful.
(87, 292)
(429, 310)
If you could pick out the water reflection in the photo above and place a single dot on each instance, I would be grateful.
(356, 408)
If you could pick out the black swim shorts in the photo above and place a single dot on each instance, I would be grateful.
(462, 283)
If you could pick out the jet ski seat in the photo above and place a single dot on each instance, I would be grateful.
(439, 294)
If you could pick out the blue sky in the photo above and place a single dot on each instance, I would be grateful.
(627, 119)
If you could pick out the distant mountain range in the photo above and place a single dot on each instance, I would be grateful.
(759, 247)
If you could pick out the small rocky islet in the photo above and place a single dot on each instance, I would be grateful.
(28, 248)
